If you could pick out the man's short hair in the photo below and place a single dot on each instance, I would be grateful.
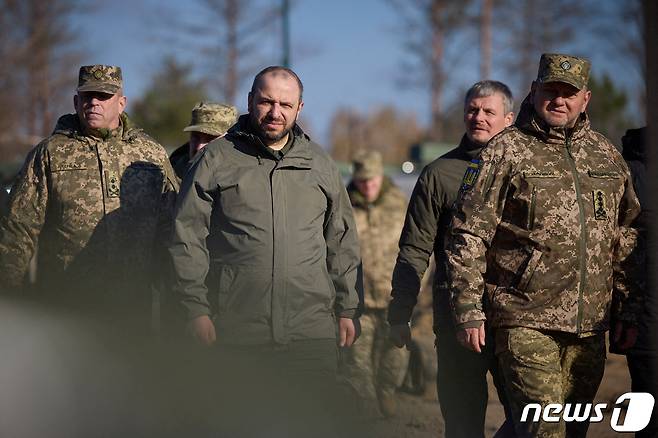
(274, 69)
(488, 88)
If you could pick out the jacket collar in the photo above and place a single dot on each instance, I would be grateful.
(70, 126)
(299, 154)
(469, 148)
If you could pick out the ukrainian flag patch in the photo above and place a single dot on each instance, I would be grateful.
(471, 175)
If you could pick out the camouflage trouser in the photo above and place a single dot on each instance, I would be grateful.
(549, 367)
(374, 365)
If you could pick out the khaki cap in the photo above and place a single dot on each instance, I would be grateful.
(101, 78)
(212, 118)
(554, 67)
(367, 164)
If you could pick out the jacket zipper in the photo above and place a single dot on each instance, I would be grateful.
(531, 213)
(583, 234)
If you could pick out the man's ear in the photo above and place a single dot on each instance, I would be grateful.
(249, 99)
(75, 102)
(509, 119)
(123, 101)
(588, 95)
(299, 109)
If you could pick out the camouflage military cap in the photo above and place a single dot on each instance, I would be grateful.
(554, 67)
(102, 78)
(212, 118)
(367, 164)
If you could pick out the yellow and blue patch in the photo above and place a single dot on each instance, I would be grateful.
(471, 174)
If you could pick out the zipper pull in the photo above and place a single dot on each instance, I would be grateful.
(260, 163)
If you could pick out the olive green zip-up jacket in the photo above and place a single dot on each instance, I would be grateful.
(543, 229)
(281, 253)
(426, 224)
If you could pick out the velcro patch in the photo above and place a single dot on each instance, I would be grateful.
(541, 174)
(600, 206)
(471, 174)
(603, 174)
(112, 183)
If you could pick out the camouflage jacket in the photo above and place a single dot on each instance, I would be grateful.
(379, 225)
(542, 228)
(427, 221)
(94, 206)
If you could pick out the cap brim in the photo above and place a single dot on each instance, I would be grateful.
(366, 175)
(564, 81)
(101, 88)
(204, 129)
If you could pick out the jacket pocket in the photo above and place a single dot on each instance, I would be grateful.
(529, 270)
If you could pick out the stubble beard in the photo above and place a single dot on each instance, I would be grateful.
(265, 136)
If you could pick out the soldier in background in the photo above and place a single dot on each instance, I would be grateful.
(373, 366)
(209, 121)
(95, 197)
(539, 245)
(461, 374)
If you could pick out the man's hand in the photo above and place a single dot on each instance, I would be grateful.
(400, 335)
(472, 338)
(347, 332)
(203, 330)
(624, 336)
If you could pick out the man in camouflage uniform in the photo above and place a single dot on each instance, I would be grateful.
(541, 234)
(373, 366)
(209, 121)
(461, 374)
(94, 197)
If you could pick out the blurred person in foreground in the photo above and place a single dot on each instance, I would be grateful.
(461, 374)
(96, 198)
(539, 246)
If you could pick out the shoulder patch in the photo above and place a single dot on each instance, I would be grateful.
(471, 174)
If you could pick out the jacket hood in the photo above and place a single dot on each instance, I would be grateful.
(529, 121)
(69, 125)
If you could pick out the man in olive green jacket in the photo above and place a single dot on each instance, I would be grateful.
(461, 380)
(281, 253)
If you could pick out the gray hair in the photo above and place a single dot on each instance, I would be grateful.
(488, 88)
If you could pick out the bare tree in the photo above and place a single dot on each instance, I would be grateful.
(226, 38)
(533, 27)
(486, 39)
(427, 26)
(38, 47)
(385, 129)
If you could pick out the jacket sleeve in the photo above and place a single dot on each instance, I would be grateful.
(343, 258)
(21, 227)
(188, 249)
(416, 246)
(477, 214)
(628, 260)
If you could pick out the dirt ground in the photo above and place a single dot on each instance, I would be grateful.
(420, 416)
